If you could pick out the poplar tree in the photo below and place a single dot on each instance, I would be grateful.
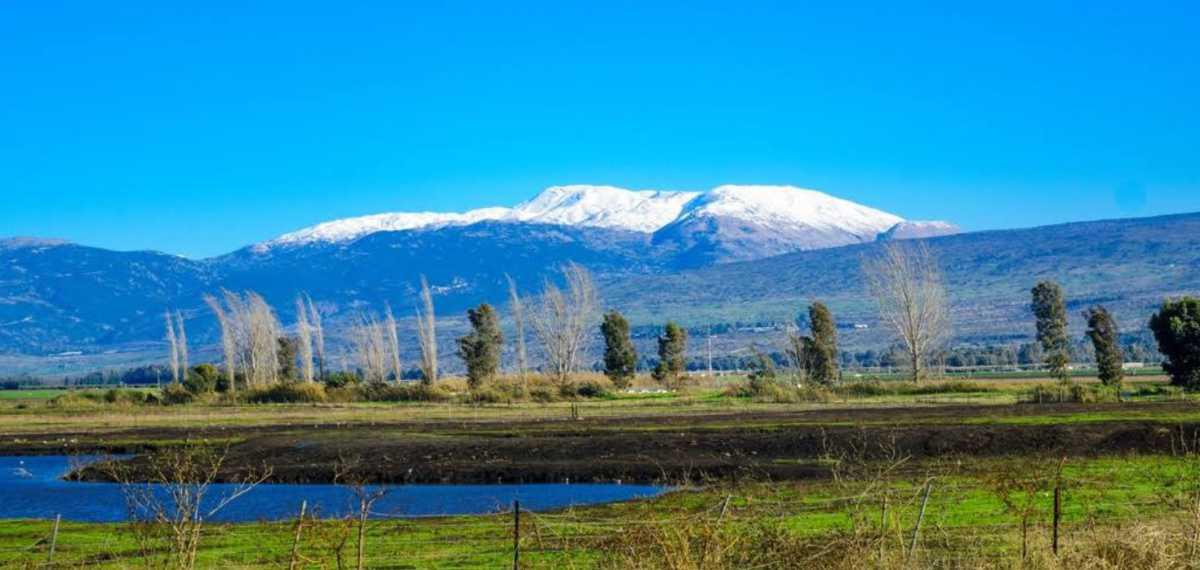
(620, 358)
(672, 349)
(1050, 312)
(480, 349)
(1102, 330)
(821, 349)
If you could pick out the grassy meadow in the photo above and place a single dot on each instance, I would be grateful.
(872, 502)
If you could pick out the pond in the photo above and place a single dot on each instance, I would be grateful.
(33, 487)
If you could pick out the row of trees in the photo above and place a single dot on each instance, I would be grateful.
(904, 280)
(1176, 329)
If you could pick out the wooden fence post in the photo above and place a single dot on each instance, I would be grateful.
(1057, 514)
(53, 540)
(296, 538)
(912, 545)
(516, 534)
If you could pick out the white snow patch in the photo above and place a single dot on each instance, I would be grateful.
(618, 208)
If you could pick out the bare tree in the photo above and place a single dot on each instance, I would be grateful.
(370, 348)
(181, 338)
(228, 339)
(168, 514)
(304, 336)
(347, 473)
(907, 283)
(250, 332)
(314, 320)
(517, 306)
(427, 335)
(562, 321)
(172, 346)
(264, 332)
(393, 341)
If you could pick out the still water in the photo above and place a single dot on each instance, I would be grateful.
(33, 487)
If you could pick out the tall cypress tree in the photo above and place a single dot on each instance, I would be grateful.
(480, 349)
(672, 348)
(620, 358)
(1050, 311)
(822, 352)
(1102, 329)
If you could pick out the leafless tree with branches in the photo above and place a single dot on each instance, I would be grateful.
(318, 334)
(370, 348)
(228, 339)
(181, 338)
(168, 497)
(250, 332)
(563, 319)
(392, 336)
(304, 337)
(172, 346)
(427, 335)
(517, 306)
(907, 284)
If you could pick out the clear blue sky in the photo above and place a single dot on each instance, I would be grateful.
(195, 130)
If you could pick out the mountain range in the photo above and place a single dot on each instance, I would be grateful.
(733, 253)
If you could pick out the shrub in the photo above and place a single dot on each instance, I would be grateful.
(202, 379)
(1071, 392)
(542, 394)
(176, 394)
(340, 379)
(74, 399)
(488, 395)
(124, 396)
(592, 390)
(288, 393)
(404, 392)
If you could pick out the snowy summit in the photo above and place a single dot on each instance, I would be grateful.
(785, 208)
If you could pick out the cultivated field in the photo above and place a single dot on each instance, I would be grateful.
(955, 474)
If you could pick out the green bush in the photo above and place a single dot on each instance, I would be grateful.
(777, 393)
(403, 392)
(176, 394)
(202, 379)
(488, 395)
(542, 394)
(124, 396)
(288, 393)
(340, 379)
(1071, 392)
(75, 399)
(592, 390)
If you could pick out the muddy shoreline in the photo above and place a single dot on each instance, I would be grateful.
(652, 449)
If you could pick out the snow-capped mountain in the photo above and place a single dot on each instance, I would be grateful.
(758, 220)
(603, 207)
(573, 205)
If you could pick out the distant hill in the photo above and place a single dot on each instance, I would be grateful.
(57, 297)
(1129, 265)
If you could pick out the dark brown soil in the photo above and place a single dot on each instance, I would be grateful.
(760, 445)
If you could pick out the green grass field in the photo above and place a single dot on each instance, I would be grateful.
(864, 513)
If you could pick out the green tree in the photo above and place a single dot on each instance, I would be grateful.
(202, 379)
(672, 349)
(1176, 327)
(1103, 332)
(480, 349)
(821, 352)
(1050, 311)
(620, 358)
(289, 348)
(762, 371)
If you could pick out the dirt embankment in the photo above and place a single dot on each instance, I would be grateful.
(779, 445)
